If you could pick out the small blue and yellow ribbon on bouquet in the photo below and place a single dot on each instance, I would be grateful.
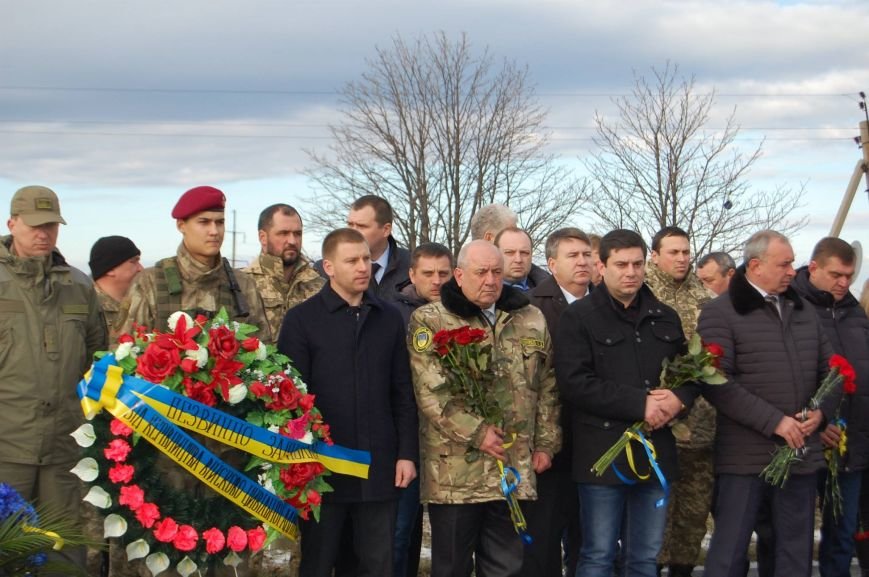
(160, 416)
(638, 436)
(510, 480)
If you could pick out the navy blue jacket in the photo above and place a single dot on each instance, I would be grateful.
(354, 359)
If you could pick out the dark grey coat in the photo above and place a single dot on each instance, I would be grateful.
(847, 328)
(773, 365)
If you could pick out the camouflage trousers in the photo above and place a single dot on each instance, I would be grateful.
(689, 507)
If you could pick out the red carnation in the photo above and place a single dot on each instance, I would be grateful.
(236, 539)
(256, 538)
(117, 450)
(307, 402)
(119, 429)
(166, 530)
(148, 514)
(186, 538)
(214, 540)
(121, 473)
(222, 342)
(158, 363)
(132, 496)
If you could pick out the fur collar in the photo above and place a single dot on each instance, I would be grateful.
(746, 299)
(455, 301)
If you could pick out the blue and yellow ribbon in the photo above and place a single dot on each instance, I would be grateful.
(510, 480)
(158, 415)
(646, 443)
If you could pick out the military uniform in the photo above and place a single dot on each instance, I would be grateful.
(203, 289)
(110, 308)
(50, 327)
(279, 295)
(520, 340)
(691, 499)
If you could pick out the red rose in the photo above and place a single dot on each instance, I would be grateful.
(148, 514)
(314, 498)
(463, 336)
(121, 473)
(222, 342)
(256, 538)
(199, 391)
(287, 396)
(186, 538)
(307, 402)
(117, 450)
(189, 365)
(236, 539)
(126, 338)
(299, 474)
(158, 363)
(119, 429)
(250, 344)
(132, 496)
(259, 390)
(214, 540)
(166, 530)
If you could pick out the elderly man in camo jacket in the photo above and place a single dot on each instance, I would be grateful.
(468, 514)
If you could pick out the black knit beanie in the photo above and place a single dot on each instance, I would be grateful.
(110, 251)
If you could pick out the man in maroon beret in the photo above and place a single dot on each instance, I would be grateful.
(197, 279)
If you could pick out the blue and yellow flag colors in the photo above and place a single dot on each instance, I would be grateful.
(160, 415)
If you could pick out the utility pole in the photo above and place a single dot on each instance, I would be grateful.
(862, 169)
(234, 233)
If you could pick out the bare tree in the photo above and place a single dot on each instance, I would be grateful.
(439, 132)
(658, 165)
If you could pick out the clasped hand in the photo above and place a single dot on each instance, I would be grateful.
(662, 406)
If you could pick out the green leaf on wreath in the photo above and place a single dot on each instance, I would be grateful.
(255, 418)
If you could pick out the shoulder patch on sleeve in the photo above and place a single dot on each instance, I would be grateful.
(422, 339)
(532, 343)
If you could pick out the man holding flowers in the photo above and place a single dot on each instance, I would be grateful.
(775, 355)
(608, 356)
(481, 362)
(825, 284)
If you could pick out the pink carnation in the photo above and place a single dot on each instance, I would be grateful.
(214, 540)
(119, 429)
(148, 514)
(186, 538)
(121, 473)
(236, 538)
(166, 530)
(132, 496)
(256, 538)
(117, 450)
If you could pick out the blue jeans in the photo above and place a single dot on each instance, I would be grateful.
(837, 536)
(610, 512)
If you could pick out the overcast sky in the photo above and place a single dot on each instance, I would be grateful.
(120, 106)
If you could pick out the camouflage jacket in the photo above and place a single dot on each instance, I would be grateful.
(110, 308)
(50, 327)
(200, 289)
(697, 430)
(447, 429)
(279, 296)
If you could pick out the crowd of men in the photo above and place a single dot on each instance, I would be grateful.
(580, 348)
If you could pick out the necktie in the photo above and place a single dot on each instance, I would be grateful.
(375, 267)
(772, 300)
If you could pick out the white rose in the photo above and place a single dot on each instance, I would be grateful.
(237, 394)
(261, 352)
(173, 320)
(308, 438)
(123, 351)
(200, 354)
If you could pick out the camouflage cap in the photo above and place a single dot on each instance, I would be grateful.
(36, 205)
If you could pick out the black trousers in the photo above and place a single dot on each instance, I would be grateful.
(552, 517)
(373, 533)
(737, 504)
(476, 536)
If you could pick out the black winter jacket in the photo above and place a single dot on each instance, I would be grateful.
(847, 328)
(605, 365)
(773, 365)
(354, 359)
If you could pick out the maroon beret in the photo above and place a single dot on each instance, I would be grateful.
(199, 199)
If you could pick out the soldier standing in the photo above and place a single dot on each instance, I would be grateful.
(671, 279)
(197, 279)
(466, 507)
(114, 263)
(283, 276)
(50, 328)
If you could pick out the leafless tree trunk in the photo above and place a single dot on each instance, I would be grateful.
(658, 165)
(439, 132)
